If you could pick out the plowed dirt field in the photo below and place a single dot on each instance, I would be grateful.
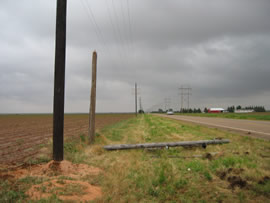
(22, 135)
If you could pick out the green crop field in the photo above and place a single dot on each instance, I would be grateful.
(235, 172)
(250, 116)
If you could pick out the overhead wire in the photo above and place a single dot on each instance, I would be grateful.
(100, 41)
(95, 22)
(122, 37)
(129, 24)
(125, 31)
(117, 24)
(115, 30)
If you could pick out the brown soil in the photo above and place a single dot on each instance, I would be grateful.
(65, 190)
(68, 188)
(22, 135)
(264, 180)
(233, 177)
(236, 181)
(53, 168)
(222, 174)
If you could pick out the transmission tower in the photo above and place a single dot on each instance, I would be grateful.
(185, 92)
(167, 102)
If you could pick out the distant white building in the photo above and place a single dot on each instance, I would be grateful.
(244, 111)
(216, 110)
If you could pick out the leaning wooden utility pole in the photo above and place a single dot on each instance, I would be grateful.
(59, 81)
(136, 99)
(92, 112)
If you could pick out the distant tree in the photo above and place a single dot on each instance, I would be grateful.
(190, 111)
(141, 111)
(160, 110)
(231, 109)
(238, 107)
(259, 109)
(205, 110)
(197, 110)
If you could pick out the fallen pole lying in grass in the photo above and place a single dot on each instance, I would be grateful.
(207, 155)
(202, 143)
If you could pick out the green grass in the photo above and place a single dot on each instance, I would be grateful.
(14, 191)
(159, 176)
(249, 116)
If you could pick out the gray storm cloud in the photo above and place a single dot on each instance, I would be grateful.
(219, 47)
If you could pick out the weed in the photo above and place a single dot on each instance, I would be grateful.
(153, 192)
(242, 197)
(31, 180)
(10, 194)
(53, 199)
(60, 181)
(207, 175)
(39, 160)
(70, 147)
(196, 166)
(232, 161)
(263, 187)
(65, 178)
(83, 137)
(181, 183)
(71, 189)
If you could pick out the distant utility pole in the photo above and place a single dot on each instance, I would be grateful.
(167, 103)
(185, 91)
(136, 98)
(141, 108)
(59, 81)
(92, 112)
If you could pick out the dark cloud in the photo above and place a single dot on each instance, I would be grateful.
(220, 48)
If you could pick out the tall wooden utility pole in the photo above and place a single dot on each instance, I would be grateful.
(59, 81)
(136, 99)
(92, 112)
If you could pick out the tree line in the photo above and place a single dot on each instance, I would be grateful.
(230, 109)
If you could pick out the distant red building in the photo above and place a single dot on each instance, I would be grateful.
(216, 110)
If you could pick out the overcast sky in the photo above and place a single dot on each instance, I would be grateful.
(220, 48)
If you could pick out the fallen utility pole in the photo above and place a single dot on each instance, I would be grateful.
(202, 143)
(208, 155)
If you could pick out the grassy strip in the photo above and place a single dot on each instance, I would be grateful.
(238, 172)
(249, 116)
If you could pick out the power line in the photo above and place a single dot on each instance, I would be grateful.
(111, 21)
(124, 23)
(115, 30)
(117, 24)
(95, 22)
(100, 42)
(129, 24)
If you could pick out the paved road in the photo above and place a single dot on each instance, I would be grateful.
(260, 129)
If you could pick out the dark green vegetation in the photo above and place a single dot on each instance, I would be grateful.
(250, 116)
(234, 172)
